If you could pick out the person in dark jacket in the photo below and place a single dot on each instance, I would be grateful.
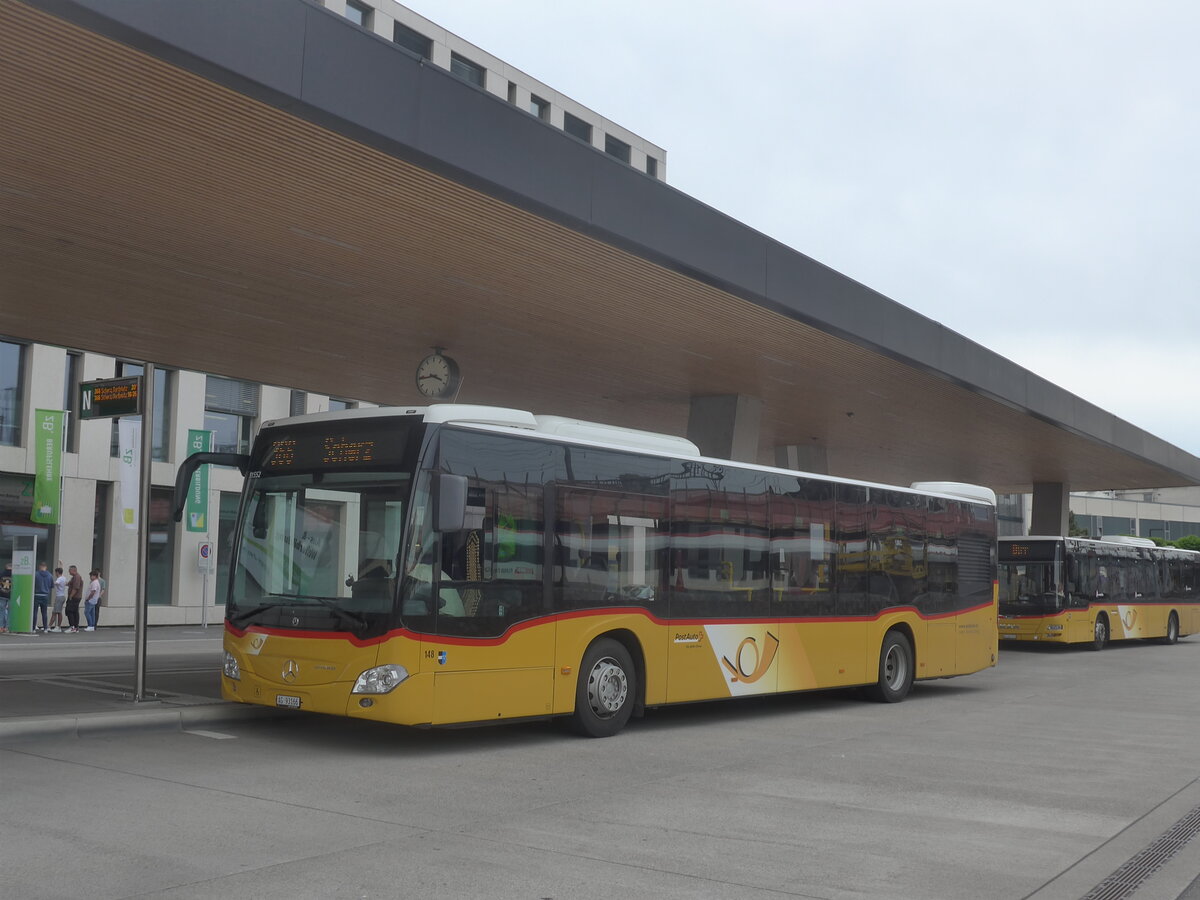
(43, 584)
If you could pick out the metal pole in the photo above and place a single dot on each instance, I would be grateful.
(143, 556)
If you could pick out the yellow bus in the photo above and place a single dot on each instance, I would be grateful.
(457, 564)
(1066, 590)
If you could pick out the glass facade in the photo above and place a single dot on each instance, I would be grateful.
(160, 565)
(467, 70)
(575, 126)
(412, 40)
(230, 408)
(162, 410)
(12, 389)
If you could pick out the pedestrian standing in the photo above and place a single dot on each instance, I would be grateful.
(5, 596)
(74, 595)
(60, 598)
(92, 600)
(43, 584)
(103, 596)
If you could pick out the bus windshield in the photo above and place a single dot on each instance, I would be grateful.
(318, 551)
(1030, 588)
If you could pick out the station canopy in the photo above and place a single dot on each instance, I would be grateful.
(272, 194)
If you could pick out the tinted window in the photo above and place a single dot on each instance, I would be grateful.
(610, 549)
(720, 545)
(802, 549)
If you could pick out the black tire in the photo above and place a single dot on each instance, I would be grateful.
(896, 669)
(1172, 634)
(1099, 633)
(607, 690)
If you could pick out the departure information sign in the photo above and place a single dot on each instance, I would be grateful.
(110, 397)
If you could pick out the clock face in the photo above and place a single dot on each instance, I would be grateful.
(437, 376)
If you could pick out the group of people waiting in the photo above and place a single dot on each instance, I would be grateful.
(69, 592)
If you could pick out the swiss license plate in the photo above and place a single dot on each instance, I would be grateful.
(287, 700)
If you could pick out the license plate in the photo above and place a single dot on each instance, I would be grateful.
(285, 700)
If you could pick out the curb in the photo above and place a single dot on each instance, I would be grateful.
(149, 719)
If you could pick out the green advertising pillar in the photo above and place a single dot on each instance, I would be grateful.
(20, 607)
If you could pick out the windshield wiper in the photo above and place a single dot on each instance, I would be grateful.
(242, 618)
(355, 621)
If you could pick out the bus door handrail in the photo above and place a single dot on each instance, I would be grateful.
(187, 468)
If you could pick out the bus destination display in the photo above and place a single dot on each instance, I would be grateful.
(342, 449)
(1014, 551)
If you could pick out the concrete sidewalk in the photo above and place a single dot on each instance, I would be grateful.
(63, 684)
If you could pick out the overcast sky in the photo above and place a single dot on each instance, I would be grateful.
(1024, 173)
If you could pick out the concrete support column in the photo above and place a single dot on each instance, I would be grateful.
(1051, 508)
(803, 458)
(726, 426)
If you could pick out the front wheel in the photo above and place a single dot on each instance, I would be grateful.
(607, 690)
(896, 669)
(1172, 634)
(1099, 633)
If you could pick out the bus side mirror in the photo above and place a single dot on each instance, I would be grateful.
(450, 502)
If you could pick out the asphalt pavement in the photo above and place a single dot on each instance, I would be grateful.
(1059, 775)
(85, 682)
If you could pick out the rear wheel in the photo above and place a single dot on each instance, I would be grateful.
(607, 689)
(1100, 633)
(1172, 634)
(896, 669)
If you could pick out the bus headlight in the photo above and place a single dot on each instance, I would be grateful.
(380, 680)
(231, 668)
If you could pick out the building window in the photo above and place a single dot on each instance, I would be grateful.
(467, 70)
(616, 148)
(230, 408)
(160, 552)
(512, 92)
(539, 107)
(651, 166)
(71, 376)
(576, 127)
(12, 388)
(413, 40)
(100, 527)
(162, 410)
(298, 405)
(358, 13)
(226, 532)
(336, 405)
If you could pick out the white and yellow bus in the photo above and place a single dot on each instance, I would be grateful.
(455, 564)
(1081, 591)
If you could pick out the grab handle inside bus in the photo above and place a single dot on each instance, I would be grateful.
(450, 502)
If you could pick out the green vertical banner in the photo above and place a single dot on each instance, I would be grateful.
(47, 479)
(199, 441)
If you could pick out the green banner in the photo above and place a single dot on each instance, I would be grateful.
(197, 501)
(47, 480)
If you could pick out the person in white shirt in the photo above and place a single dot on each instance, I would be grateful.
(60, 597)
(92, 600)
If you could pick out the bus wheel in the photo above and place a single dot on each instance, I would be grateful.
(1100, 633)
(1172, 634)
(895, 669)
(607, 689)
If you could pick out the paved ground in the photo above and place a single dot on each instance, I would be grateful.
(1038, 779)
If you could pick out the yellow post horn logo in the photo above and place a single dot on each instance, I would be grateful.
(762, 661)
